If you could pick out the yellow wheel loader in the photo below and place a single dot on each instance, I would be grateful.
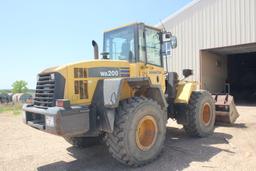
(124, 98)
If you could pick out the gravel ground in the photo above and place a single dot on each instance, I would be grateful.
(230, 148)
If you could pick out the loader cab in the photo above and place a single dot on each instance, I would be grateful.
(140, 45)
(134, 43)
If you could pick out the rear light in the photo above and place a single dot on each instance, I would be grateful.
(63, 103)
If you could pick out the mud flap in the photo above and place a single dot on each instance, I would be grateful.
(226, 111)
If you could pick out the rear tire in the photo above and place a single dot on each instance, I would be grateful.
(200, 114)
(82, 142)
(139, 132)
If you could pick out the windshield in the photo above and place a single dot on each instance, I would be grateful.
(120, 44)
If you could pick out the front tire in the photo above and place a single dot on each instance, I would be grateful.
(200, 115)
(139, 132)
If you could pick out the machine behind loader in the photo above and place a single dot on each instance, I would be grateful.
(125, 98)
(225, 108)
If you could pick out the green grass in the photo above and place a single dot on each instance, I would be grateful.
(14, 109)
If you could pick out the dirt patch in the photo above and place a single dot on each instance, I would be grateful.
(230, 148)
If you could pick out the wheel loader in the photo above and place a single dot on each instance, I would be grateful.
(122, 98)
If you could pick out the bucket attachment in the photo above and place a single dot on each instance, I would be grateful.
(226, 111)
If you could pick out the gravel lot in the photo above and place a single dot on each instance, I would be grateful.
(230, 148)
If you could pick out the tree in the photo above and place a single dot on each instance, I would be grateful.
(19, 86)
(4, 91)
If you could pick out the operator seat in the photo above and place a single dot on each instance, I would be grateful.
(126, 53)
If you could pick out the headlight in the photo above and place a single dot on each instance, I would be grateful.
(52, 76)
(49, 121)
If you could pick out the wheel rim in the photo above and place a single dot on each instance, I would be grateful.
(146, 133)
(206, 114)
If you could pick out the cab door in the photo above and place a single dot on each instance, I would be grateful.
(154, 65)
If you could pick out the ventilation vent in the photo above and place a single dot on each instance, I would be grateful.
(44, 96)
(81, 88)
(80, 73)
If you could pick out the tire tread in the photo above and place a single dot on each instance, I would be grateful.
(115, 141)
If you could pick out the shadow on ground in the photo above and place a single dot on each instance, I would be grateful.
(179, 151)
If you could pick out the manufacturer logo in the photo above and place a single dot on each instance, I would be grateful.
(110, 73)
(103, 72)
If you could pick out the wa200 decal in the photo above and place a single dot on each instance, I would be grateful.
(108, 72)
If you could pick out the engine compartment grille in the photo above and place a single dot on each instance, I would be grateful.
(45, 90)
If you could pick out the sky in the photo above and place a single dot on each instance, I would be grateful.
(35, 35)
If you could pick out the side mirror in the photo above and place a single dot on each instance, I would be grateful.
(187, 72)
(167, 35)
(173, 41)
(169, 38)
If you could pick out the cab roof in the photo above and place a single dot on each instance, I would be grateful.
(131, 24)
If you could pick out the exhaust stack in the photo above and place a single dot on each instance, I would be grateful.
(96, 49)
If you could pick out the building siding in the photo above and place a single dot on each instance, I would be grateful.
(209, 24)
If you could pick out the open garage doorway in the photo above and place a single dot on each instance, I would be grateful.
(242, 76)
(230, 69)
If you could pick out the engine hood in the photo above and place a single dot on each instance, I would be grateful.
(93, 65)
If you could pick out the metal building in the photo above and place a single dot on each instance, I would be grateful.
(217, 39)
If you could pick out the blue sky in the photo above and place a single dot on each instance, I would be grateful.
(37, 34)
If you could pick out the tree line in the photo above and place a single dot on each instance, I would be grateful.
(19, 86)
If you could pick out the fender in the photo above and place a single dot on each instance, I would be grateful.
(111, 92)
(112, 87)
(184, 91)
(107, 97)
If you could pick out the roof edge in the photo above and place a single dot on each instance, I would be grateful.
(184, 8)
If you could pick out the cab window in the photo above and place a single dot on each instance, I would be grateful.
(153, 47)
(120, 44)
